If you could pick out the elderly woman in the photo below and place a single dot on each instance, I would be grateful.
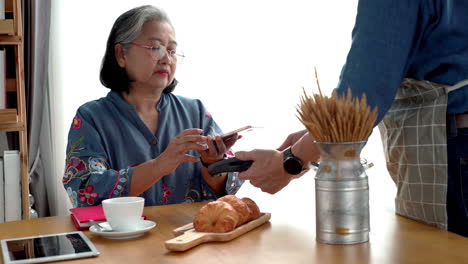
(141, 140)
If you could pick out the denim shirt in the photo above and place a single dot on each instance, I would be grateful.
(397, 39)
(107, 139)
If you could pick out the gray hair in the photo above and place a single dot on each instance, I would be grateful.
(125, 30)
(133, 23)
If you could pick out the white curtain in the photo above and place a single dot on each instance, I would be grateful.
(246, 60)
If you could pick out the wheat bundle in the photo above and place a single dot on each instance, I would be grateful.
(336, 119)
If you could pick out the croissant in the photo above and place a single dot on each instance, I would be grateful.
(216, 217)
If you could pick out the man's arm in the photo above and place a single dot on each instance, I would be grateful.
(267, 171)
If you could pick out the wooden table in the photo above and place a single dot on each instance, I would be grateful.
(289, 237)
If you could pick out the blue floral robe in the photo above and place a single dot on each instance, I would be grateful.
(107, 139)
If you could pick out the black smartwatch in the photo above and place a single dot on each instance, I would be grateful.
(291, 163)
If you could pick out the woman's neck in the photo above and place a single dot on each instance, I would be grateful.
(145, 100)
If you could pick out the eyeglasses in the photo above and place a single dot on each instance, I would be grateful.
(158, 52)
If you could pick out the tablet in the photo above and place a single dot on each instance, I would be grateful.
(46, 248)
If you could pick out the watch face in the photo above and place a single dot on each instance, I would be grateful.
(292, 166)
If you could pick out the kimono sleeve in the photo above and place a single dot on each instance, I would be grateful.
(87, 178)
(209, 126)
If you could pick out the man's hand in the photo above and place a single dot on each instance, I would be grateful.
(267, 171)
(292, 139)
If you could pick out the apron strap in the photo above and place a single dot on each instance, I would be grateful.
(457, 85)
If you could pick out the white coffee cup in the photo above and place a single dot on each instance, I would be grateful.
(124, 213)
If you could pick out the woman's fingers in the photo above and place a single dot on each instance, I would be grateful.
(186, 146)
(194, 138)
(190, 158)
(187, 140)
(190, 139)
(220, 146)
(191, 131)
(212, 150)
(191, 135)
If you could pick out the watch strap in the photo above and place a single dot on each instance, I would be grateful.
(288, 154)
(289, 157)
(204, 164)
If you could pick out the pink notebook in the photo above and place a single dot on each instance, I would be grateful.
(82, 215)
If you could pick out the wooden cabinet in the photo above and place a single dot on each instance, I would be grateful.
(14, 119)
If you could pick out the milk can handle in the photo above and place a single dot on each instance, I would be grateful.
(314, 165)
(365, 164)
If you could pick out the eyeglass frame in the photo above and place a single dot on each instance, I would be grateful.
(173, 55)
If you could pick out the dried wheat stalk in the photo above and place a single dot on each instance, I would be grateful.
(336, 119)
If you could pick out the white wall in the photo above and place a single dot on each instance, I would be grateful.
(247, 60)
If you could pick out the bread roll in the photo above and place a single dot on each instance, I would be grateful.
(238, 205)
(254, 210)
(216, 217)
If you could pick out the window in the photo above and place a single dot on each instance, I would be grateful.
(246, 60)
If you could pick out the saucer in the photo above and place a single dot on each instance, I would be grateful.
(144, 226)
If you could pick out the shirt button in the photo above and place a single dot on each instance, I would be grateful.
(154, 142)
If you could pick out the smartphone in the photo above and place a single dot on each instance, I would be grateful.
(228, 135)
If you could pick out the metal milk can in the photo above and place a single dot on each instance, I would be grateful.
(341, 194)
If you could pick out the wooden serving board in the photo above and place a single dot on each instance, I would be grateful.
(187, 239)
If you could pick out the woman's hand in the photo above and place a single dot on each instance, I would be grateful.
(216, 148)
(175, 153)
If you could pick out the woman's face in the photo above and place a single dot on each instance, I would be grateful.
(139, 63)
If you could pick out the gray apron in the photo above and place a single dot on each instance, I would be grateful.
(415, 146)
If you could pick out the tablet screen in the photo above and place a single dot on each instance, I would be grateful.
(47, 248)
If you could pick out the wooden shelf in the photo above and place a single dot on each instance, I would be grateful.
(13, 127)
(7, 26)
(10, 40)
(8, 116)
(11, 32)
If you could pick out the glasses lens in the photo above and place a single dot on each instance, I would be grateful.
(179, 56)
(175, 56)
(158, 52)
